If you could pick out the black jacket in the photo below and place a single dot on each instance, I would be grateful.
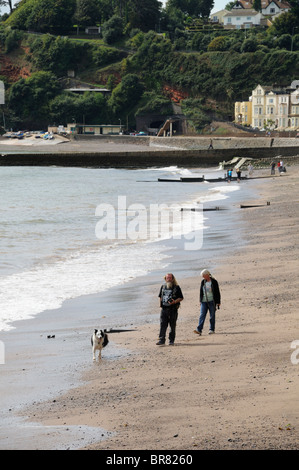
(215, 290)
(176, 294)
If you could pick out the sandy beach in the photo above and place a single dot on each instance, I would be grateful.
(235, 390)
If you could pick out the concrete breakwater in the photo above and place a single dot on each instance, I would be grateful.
(141, 152)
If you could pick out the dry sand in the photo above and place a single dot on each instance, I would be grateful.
(237, 389)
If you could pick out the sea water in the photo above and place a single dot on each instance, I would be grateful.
(53, 242)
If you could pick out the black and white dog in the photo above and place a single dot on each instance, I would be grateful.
(99, 340)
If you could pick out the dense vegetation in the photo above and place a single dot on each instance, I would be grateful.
(143, 52)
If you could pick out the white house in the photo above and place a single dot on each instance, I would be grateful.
(273, 7)
(242, 19)
(268, 7)
(243, 15)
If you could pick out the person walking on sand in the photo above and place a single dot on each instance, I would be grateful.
(209, 298)
(170, 298)
(273, 168)
(238, 171)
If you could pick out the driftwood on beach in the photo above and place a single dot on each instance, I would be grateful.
(246, 206)
(205, 209)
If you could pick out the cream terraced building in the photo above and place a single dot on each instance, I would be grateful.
(271, 107)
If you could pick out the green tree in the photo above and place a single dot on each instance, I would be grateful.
(87, 13)
(43, 16)
(29, 98)
(67, 107)
(284, 24)
(144, 14)
(12, 40)
(102, 56)
(257, 5)
(194, 112)
(294, 7)
(295, 44)
(112, 29)
(284, 42)
(126, 94)
(64, 108)
(57, 54)
(193, 8)
(218, 44)
(154, 52)
(172, 19)
(249, 45)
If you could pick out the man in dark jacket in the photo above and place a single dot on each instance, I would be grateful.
(209, 298)
(170, 297)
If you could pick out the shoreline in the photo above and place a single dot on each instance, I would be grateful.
(170, 405)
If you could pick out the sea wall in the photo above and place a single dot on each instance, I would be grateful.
(222, 143)
(142, 159)
(195, 143)
(191, 152)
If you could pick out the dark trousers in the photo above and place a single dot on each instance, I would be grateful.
(168, 316)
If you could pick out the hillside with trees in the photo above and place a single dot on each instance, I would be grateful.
(148, 56)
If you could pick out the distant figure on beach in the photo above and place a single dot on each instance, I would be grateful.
(238, 171)
(170, 297)
(211, 145)
(273, 168)
(250, 169)
(281, 168)
(229, 175)
(209, 297)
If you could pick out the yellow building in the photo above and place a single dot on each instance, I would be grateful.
(243, 112)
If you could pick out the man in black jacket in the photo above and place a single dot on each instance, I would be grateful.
(170, 297)
(209, 298)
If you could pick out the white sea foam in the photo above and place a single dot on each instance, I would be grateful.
(23, 295)
(217, 193)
